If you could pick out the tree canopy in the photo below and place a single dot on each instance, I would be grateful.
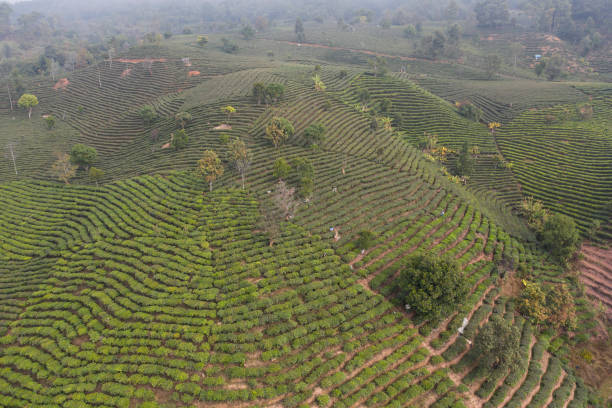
(83, 156)
(497, 345)
(431, 286)
(28, 101)
(279, 130)
(210, 167)
(560, 235)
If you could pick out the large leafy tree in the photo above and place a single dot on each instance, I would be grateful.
(210, 167)
(148, 114)
(273, 92)
(314, 134)
(492, 13)
(28, 101)
(465, 164)
(241, 158)
(63, 169)
(497, 345)
(82, 155)
(561, 236)
(259, 92)
(431, 286)
(279, 130)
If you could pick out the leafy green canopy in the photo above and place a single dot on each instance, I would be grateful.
(431, 286)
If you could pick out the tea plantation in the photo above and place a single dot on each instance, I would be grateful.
(146, 289)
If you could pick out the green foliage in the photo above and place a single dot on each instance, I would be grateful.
(431, 286)
(210, 167)
(229, 46)
(202, 40)
(560, 236)
(50, 121)
(247, 32)
(469, 110)
(95, 174)
(300, 36)
(314, 134)
(492, 13)
(304, 171)
(179, 139)
(279, 130)
(492, 65)
(281, 168)
(465, 163)
(274, 92)
(497, 345)
(182, 119)
(410, 31)
(28, 101)
(83, 156)
(366, 239)
(148, 114)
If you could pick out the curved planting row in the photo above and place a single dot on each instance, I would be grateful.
(565, 164)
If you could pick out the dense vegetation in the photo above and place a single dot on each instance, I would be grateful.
(387, 214)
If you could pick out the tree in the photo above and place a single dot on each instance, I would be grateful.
(431, 286)
(229, 111)
(182, 119)
(497, 345)
(5, 18)
(469, 110)
(373, 124)
(202, 40)
(454, 34)
(465, 164)
(281, 207)
(274, 92)
(318, 83)
(299, 31)
(385, 105)
(28, 101)
(554, 67)
(247, 32)
(229, 46)
(432, 46)
(12, 154)
(62, 168)
(365, 240)
(148, 114)
(179, 139)
(378, 65)
(281, 168)
(241, 158)
(492, 65)
(410, 31)
(532, 302)
(50, 121)
(95, 174)
(210, 167)
(561, 306)
(364, 97)
(259, 92)
(279, 130)
(304, 171)
(492, 13)
(560, 236)
(516, 49)
(314, 134)
(83, 156)
(539, 68)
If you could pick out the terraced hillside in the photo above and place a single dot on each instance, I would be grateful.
(565, 163)
(151, 291)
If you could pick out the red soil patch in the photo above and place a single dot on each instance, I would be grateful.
(126, 72)
(61, 84)
(166, 146)
(193, 73)
(138, 61)
(77, 341)
(596, 274)
(223, 126)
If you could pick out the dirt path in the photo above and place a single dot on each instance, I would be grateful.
(571, 396)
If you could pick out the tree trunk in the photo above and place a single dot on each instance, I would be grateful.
(13, 157)
(210, 185)
(9, 94)
(30, 113)
(99, 77)
(242, 175)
